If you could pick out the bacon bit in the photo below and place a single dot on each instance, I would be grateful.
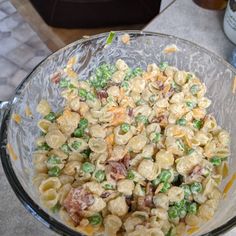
(148, 201)
(130, 111)
(28, 111)
(162, 120)
(234, 86)
(56, 77)
(126, 160)
(125, 38)
(143, 203)
(16, 117)
(105, 194)
(11, 152)
(170, 49)
(118, 170)
(197, 170)
(102, 94)
(77, 201)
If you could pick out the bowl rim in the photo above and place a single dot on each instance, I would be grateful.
(31, 206)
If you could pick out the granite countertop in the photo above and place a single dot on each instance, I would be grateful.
(183, 19)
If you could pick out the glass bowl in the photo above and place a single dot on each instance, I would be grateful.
(144, 48)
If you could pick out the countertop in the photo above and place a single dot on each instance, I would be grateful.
(183, 19)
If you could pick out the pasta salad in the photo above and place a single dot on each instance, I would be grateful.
(132, 153)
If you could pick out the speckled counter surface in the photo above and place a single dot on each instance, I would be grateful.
(182, 18)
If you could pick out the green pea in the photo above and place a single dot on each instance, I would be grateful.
(125, 85)
(51, 116)
(157, 138)
(56, 208)
(100, 175)
(130, 175)
(188, 77)
(191, 105)
(65, 148)
(192, 208)
(216, 161)
(194, 89)
(82, 93)
(181, 122)
(165, 187)
(182, 213)
(87, 167)
(125, 127)
(141, 119)
(156, 182)
(140, 102)
(153, 98)
(173, 212)
(180, 144)
(197, 124)
(196, 187)
(54, 171)
(176, 87)
(190, 151)
(76, 145)
(163, 66)
(44, 147)
(95, 219)
(187, 190)
(165, 175)
(64, 83)
(181, 205)
(54, 160)
(83, 123)
(137, 71)
(79, 133)
(87, 152)
(108, 187)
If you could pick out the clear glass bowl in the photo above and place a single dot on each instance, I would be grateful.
(145, 48)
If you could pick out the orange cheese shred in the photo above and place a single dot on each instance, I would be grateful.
(234, 85)
(16, 118)
(110, 142)
(71, 62)
(11, 152)
(229, 185)
(192, 230)
(170, 49)
(28, 112)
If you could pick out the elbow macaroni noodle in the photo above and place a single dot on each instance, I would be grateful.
(133, 153)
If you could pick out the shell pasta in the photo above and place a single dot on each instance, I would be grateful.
(133, 152)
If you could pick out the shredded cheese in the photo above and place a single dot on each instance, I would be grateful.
(28, 111)
(192, 230)
(11, 152)
(234, 86)
(125, 38)
(16, 117)
(229, 185)
(170, 49)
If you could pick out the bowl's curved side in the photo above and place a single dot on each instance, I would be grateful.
(145, 47)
